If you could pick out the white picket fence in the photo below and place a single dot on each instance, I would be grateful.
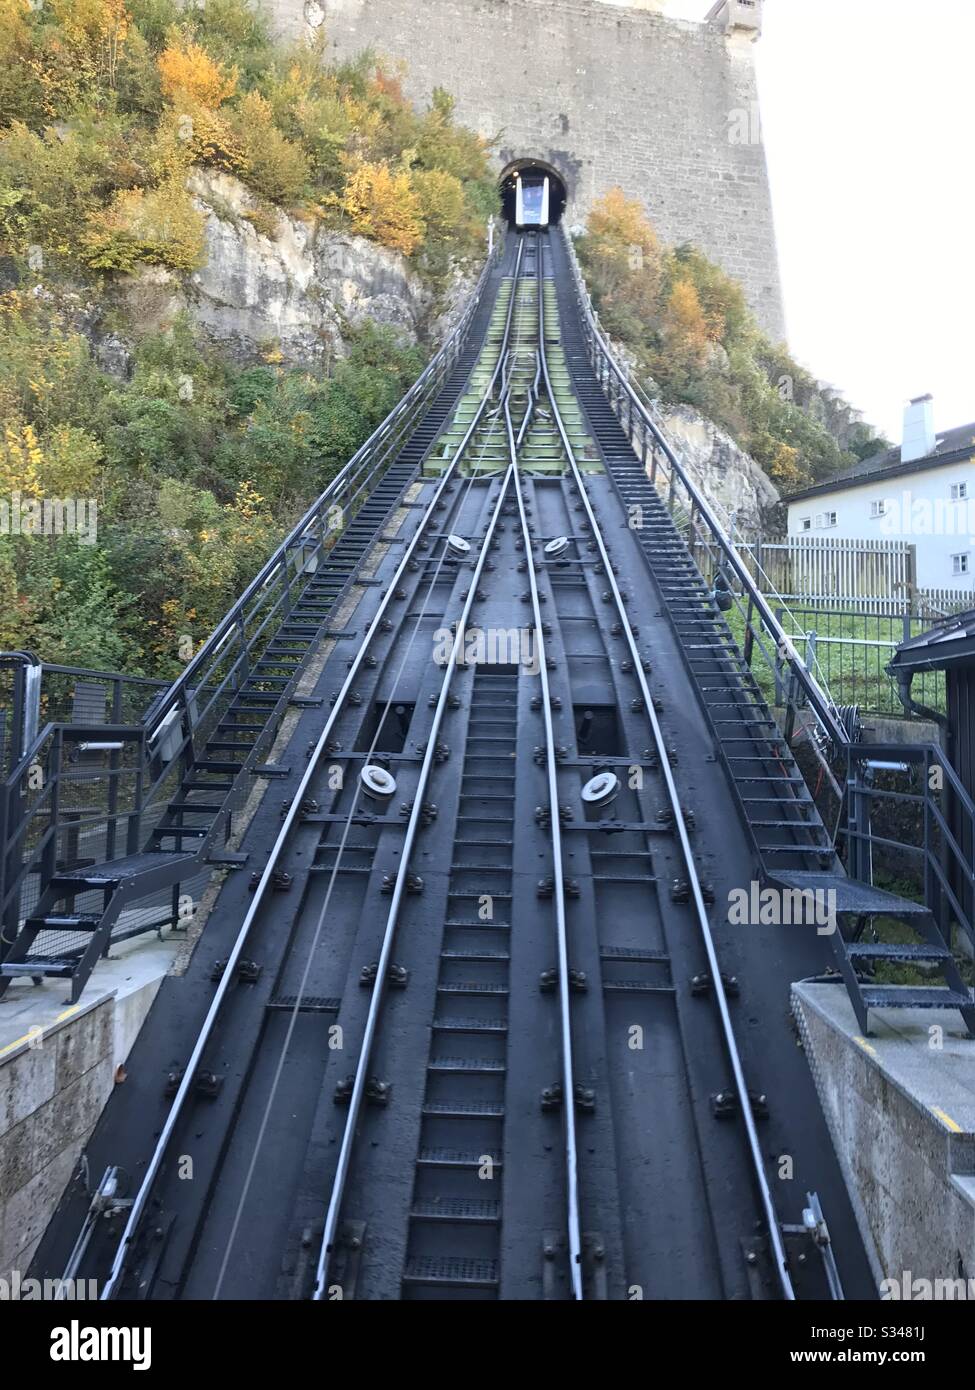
(871, 576)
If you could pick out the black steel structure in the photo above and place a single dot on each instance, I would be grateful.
(469, 1019)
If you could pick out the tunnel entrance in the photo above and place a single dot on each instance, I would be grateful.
(532, 169)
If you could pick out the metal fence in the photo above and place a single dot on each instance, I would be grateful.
(852, 648)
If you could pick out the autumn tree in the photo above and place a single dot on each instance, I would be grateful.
(381, 204)
(273, 165)
(158, 226)
(685, 330)
(625, 264)
(186, 69)
(440, 198)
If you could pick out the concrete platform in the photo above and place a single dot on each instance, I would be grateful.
(58, 1066)
(900, 1105)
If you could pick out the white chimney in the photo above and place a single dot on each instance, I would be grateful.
(920, 439)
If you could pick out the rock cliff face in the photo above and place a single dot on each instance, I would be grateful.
(742, 493)
(290, 285)
(273, 284)
(729, 477)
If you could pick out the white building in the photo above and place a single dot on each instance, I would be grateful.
(922, 492)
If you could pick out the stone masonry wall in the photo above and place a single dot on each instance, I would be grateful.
(604, 93)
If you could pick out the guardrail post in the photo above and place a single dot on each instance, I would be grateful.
(133, 837)
(49, 857)
(933, 897)
(4, 825)
(790, 709)
(811, 639)
(779, 664)
(855, 809)
(115, 761)
(749, 646)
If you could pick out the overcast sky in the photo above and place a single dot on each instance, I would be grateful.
(868, 109)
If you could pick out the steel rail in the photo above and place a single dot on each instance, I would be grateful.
(366, 758)
(680, 826)
(154, 1165)
(561, 929)
(337, 1192)
(343, 1163)
(818, 700)
(323, 914)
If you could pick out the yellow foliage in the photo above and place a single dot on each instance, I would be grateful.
(71, 462)
(248, 503)
(187, 69)
(18, 90)
(189, 133)
(84, 51)
(619, 219)
(626, 259)
(441, 201)
(21, 460)
(158, 227)
(382, 205)
(785, 469)
(274, 166)
(685, 328)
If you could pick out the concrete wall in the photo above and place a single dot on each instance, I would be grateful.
(902, 1116)
(54, 1083)
(607, 94)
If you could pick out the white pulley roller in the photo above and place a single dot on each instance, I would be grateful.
(377, 783)
(599, 792)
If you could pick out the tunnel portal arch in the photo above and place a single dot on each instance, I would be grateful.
(558, 192)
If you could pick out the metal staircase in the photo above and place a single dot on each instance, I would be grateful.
(794, 849)
(857, 907)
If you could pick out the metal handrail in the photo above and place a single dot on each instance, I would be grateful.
(925, 757)
(601, 353)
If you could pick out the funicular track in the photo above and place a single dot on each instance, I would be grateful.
(485, 1045)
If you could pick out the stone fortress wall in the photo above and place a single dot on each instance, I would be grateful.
(606, 93)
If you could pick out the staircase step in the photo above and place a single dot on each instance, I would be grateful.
(458, 1209)
(49, 966)
(452, 1272)
(852, 897)
(891, 951)
(65, 922)
(457, 1158)
(914, 997)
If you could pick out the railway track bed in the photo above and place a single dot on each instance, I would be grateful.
(481, 1031)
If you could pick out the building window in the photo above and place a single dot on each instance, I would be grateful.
(959, 491)
(825, 519)
(806, 523)
(878, 508)
(959, 564)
